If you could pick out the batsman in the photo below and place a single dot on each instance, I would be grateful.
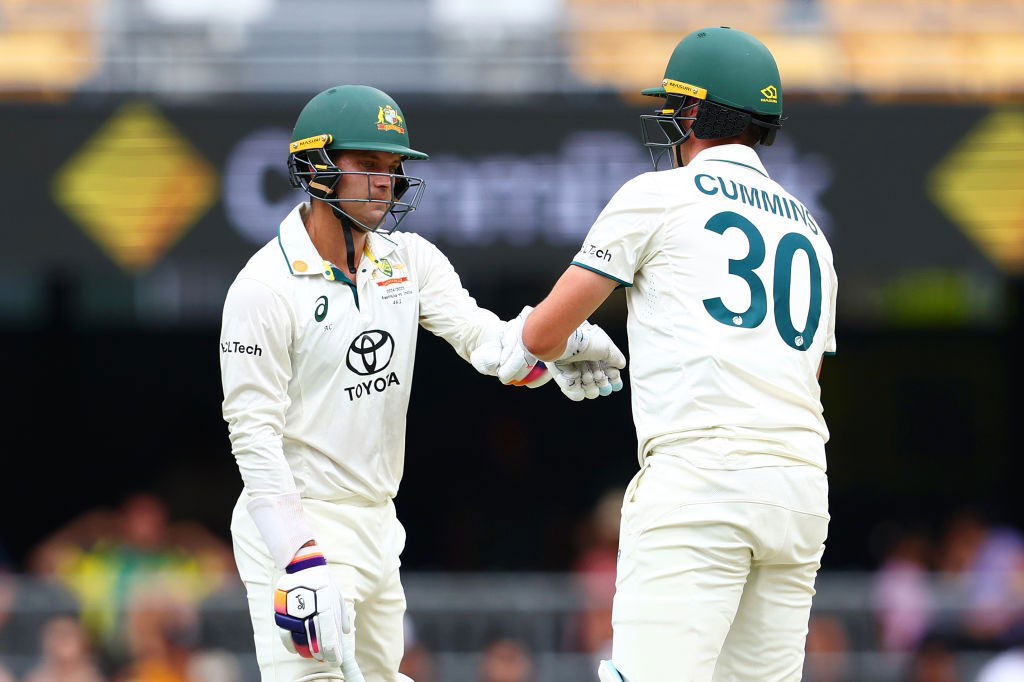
(317, 347)
(731, 296)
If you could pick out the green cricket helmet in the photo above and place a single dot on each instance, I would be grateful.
(352, 117)
(729, 77)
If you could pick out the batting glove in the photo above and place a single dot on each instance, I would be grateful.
(590, 342)
(506, 350)
(309, 609)
(588, 368)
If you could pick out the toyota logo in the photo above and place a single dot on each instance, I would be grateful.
(370, 352)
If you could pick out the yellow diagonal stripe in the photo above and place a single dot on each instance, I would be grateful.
(980, 186)
(136, 186)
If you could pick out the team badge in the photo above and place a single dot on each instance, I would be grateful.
(385, 267)
(388, 119)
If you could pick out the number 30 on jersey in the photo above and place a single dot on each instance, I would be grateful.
(744, 268)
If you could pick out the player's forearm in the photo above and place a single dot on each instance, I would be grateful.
(543, 336)
(575, 296)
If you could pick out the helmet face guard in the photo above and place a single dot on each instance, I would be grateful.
(314, 172)
(661, 131)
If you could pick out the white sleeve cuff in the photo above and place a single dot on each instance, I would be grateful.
(281, 522)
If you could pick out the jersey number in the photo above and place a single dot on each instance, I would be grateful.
(744, 268)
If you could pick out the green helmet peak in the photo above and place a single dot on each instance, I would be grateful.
(353, 117)
(725, 66)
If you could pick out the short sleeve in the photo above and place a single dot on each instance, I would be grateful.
(619, 239)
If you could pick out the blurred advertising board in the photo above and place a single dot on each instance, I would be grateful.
(147, 209)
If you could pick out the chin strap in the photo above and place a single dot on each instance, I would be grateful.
(347, 225)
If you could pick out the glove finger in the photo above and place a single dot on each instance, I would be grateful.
(300, 644)
(614, 378)
(590, 389)
(514, 368)
(568, 379)
(486, 359)
(615, 357)
(601, 379)
(315, 636)
(287, 641)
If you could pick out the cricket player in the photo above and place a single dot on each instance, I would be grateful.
(317, 347)
(731, 299)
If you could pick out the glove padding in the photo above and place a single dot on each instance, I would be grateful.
(590, 365)
(310, 611)
(590, 342)
(579, 380)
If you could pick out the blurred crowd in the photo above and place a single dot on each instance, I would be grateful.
(121, 594)
(936, 601)
(127, 595)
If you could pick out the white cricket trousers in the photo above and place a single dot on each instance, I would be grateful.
(362, 545)
(716, 569)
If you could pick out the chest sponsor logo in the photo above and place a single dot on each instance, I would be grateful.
(370, 352)
(241, 348)
(371, 386)
(393, 280)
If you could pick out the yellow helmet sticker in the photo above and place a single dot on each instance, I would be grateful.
(315, 142)
(679, 88)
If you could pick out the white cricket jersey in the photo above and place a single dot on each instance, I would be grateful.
(731, 303)
(317, 369)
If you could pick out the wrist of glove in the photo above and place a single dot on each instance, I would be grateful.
(309, 610)
(588, 368)
(503, 355)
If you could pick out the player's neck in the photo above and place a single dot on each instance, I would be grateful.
(695, 145)
(328, 237)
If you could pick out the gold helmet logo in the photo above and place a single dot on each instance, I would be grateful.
(389, 119)
(770, 94)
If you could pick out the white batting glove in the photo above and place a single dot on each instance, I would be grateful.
(516, 366)
(309, 609)
(588, 368)
(590, 342)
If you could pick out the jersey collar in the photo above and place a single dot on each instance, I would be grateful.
(301, 256)
(736, 155)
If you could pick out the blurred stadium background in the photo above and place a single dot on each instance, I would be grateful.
(145, 145)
